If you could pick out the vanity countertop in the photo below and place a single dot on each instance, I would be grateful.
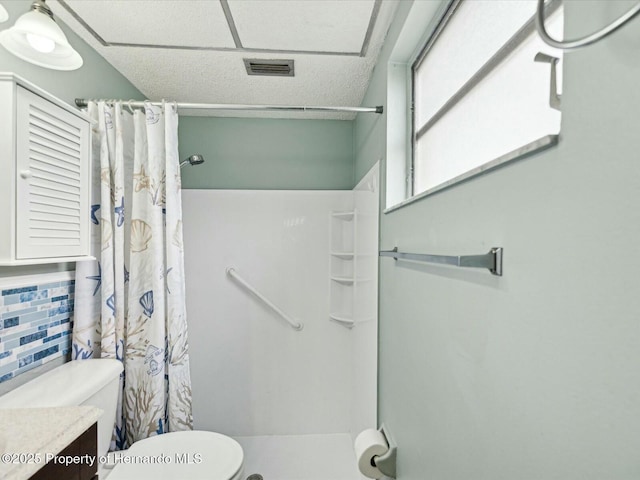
(38, 434)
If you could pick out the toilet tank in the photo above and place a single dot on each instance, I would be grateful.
(93, 382)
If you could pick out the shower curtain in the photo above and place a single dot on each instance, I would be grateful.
(130, 304)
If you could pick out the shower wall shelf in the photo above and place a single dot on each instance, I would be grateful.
(343, 255)
(342, 320)
(343, 271)
(347, 280)
(347, 216)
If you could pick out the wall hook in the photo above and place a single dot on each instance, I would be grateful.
(554, 97)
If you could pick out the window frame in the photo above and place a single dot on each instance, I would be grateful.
(493, 62)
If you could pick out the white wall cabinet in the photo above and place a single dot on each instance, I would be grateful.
(44, 176)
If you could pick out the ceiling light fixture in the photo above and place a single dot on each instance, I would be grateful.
(4, 15)
(37, 39)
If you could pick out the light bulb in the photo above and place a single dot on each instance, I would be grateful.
(37, 39)
(4, 15)
(40, 43)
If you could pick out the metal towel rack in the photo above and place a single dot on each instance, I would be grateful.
(295, 325)
(491, 260)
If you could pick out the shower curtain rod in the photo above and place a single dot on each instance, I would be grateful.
(82, 103)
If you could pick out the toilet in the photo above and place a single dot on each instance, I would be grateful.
(196, 455)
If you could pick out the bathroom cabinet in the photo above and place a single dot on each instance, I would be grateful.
(83, 447)
(44, 176)
(30, 437)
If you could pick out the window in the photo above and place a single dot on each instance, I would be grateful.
(481, 91)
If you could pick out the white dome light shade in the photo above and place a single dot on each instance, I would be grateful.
(37, 39)
(4, 15)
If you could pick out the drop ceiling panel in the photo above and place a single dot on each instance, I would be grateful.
(187, 23)
(319, 80)
(219, 76)
(311, 25)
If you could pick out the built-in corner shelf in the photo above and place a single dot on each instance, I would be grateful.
(343, 255)
(342, 320)
(345, 280)
(346, 216)
(343, 269)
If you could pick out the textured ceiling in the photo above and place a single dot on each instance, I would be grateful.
(193, 50)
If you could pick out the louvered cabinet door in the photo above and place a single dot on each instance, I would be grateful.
(52, 164)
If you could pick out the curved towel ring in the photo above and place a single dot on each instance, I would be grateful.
(586, 40)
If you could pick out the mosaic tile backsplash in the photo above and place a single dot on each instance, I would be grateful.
(35, 325)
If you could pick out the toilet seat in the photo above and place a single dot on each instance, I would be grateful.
(193, 455)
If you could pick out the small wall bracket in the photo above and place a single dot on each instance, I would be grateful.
(387, 463)
(554, 97)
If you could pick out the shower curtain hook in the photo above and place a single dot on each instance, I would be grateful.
(128, 105)
(175, 107)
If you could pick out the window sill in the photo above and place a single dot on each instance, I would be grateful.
(523, 152)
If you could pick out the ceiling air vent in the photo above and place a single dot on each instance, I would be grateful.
(271, 68)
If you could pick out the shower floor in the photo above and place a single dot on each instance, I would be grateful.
(300, 457)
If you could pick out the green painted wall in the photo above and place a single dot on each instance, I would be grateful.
(532, 375)
(96, 78)
(249, 153)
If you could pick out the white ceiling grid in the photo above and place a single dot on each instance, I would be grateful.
(185, 50)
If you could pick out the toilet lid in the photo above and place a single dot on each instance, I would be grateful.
(192, 455)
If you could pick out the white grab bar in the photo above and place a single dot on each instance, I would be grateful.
(295, 325)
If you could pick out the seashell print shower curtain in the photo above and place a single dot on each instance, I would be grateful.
(130, 303)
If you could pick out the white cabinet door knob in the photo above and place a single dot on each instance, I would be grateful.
(25, 173)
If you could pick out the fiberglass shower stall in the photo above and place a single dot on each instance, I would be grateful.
(314, 255)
